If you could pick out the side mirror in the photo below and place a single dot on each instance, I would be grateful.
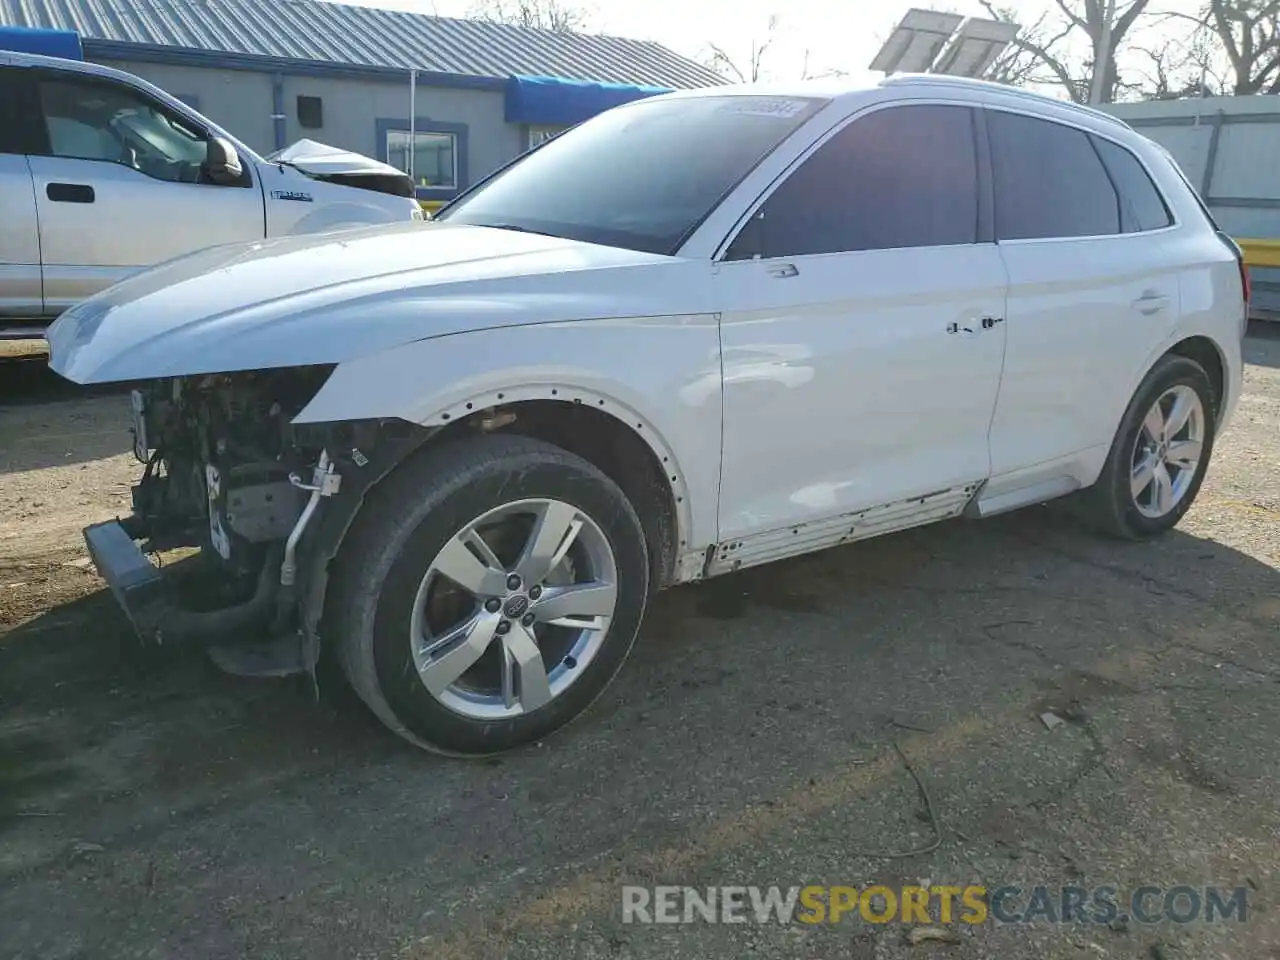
(222, 163)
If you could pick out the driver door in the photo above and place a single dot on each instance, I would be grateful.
(861, 338)
(118, 187)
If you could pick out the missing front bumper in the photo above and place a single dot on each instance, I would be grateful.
(135, 581)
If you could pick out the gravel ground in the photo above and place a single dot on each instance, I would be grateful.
(151, 807)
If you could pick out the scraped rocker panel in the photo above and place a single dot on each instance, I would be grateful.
(845, 528)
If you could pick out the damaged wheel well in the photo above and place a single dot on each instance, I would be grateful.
(597, 437)
(604, 441)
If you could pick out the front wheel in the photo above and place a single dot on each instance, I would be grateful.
(1160, 453)
(489, 593)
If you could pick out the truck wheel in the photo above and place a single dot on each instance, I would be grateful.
(487, 593)
(1159, 456)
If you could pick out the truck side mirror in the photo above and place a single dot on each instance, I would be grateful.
(222, 163)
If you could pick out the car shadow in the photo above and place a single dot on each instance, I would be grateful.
(746, 686)
(83, 702)
(27, 379)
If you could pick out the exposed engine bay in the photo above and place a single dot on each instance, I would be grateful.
(227, 472)
(219, 452)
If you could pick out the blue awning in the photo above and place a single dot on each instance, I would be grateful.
(558, 102)
(49, 43)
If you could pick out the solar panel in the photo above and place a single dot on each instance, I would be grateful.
(928, 41)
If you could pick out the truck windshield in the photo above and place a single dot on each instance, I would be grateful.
(641, 177)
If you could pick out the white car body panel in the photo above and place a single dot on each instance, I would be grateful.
(310, 156)
(836, 401)
(306, 300)
(331, 206)
(658, 375)
(794, 411)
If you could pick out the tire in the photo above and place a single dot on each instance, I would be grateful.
(388, 584)
(1112, 505)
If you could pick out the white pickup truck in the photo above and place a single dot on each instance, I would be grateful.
(102, 174)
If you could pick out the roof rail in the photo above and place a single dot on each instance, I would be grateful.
(907, 79)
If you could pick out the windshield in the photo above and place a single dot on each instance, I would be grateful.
(641, 177)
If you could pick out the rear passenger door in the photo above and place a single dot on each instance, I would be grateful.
(1092, 288)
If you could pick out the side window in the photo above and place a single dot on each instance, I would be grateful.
(1141, 206)
(20, 123)
(1048, 181)
(97, 120)
(899, 177)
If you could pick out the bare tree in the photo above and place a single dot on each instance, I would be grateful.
(1177, 69)
(808, 73)
(749, 70)
(1026, 61)
(1249, 33)
(1047, 45)
(753, 67)
(541, 14)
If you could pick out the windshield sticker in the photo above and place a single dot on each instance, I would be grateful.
(761, 107)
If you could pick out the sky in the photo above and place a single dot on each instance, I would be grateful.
(843, 35)
(826, 34)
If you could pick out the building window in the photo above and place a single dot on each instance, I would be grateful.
(538, 134)
(435, 157)
(310, 113)
(438, 150)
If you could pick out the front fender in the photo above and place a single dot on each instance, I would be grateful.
(660, 376)
(343, 215)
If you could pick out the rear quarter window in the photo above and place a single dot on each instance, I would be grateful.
(1141, 206)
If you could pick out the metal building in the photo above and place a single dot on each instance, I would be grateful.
(1227, 147)
(276, 71)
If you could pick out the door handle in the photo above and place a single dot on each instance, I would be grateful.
(784, 270)
(954, 327)
(1150, 303)
(69, 193)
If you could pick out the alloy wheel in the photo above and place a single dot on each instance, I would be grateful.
(1167, 452)
(513, 608)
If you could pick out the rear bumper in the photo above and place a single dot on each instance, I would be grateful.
(135, 581)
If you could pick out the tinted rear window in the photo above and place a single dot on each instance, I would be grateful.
(1141, 207)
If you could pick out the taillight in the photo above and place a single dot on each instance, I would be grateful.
(1246, 284)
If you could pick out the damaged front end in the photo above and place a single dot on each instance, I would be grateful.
(335, 165)
(263, 501)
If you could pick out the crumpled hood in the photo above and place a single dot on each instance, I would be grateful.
(327, 298)
(323, 160)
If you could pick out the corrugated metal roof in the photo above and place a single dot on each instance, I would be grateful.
(363, 36)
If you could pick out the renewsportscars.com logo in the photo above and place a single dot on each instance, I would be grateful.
(973, 904)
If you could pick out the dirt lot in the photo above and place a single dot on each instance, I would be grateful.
(150, 807)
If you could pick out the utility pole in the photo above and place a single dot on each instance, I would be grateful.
(413, 120)
(1102, 59)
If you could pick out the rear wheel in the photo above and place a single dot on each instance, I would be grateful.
(1160, 453)
(489, 593)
